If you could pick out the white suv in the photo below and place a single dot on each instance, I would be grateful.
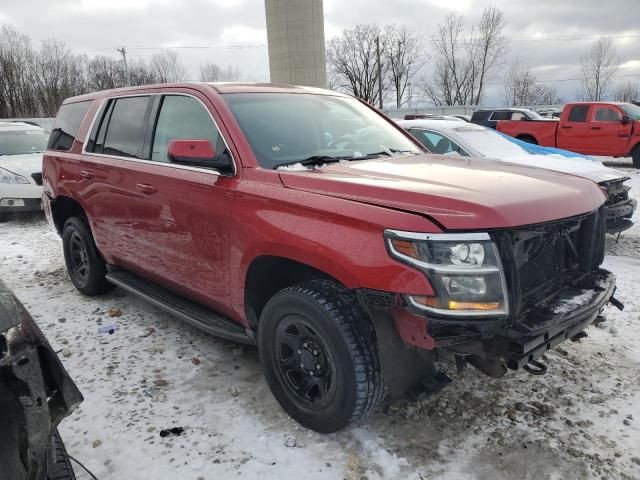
(21, 147)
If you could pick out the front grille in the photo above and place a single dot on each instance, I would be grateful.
(541, 260)
(37, 177)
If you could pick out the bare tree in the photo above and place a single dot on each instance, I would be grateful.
(56, 74)
(522, 88)
(140, 73)
(627, 92)
(405, 57)
(464, 61)
(167, 67)
(211, 72)
(488, 48)
(16, 89)
(104, 73)
(353, 62)
(598, 67)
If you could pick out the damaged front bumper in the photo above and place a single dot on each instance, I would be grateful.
(619, 207)
(36, 393)
(493, 345)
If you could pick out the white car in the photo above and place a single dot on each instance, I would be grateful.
(453, 138)
(21, 148)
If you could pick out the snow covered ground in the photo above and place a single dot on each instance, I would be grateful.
(581, 420)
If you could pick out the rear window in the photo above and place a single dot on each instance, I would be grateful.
(126, 127)
(578, 113)
(67, 125)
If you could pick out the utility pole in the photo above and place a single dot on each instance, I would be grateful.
(379, 72)
(123, 51)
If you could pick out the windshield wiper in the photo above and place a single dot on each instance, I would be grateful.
(388, 152)
(315, 160)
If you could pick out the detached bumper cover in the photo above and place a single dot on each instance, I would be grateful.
(36, 392)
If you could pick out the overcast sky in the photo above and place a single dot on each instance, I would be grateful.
(234, 30)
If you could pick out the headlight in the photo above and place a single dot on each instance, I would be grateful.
(463, 268)
(9, 177)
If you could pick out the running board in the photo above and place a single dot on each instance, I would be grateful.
(187, 310)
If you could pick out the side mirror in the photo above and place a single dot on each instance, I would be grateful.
(626, 120)
(197, 153)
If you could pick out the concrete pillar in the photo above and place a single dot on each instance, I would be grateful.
(295, 32)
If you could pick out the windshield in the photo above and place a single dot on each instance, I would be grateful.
(632, 110)
(19, 142)
(489, 143)
(284, 128)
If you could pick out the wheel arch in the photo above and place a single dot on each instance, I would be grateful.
(528, 137)
(267, 275)
(63, 208)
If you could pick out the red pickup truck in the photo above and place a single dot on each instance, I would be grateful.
(597, 128)
(308, 224)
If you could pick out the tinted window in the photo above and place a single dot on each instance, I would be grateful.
(480, 115)
(184, 118)
(125, 131)
(501, 116)
(607, 114)
(579, 113)
(632, 110)
(67, 124)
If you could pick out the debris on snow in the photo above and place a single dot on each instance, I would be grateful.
(173, 431)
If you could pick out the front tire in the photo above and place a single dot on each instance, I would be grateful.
(86, 268)
(319, 352)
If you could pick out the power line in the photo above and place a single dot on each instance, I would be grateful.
(569, 79)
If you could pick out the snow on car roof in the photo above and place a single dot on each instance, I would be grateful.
(17, 127)
(439, 125)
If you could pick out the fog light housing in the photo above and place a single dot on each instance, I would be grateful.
(11, 202)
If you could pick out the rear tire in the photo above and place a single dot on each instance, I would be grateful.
(635, 155)
(86, 268)
(319, 353)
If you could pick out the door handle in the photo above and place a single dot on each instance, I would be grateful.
(146, 188)
(596, 128)
(566, 126)
(87, 174)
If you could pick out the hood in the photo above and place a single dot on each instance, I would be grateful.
(591, 169)
(458, 193)
(22, 164)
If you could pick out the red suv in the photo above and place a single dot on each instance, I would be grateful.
(307, 223)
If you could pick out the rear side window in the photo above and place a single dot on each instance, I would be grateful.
(123, 127)
(480, 115)
(501, 116)
(578, 113)
(67, 125)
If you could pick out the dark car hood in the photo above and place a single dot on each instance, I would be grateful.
(459, 193)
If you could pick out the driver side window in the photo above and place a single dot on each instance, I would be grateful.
(607, 114)
(437, 143)
(184, 118)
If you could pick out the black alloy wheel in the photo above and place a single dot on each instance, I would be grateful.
(85, 266)
(303, 363)
(319, 352)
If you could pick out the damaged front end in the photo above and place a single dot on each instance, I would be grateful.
(505, 297)
(36, 393)
(620, 206)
